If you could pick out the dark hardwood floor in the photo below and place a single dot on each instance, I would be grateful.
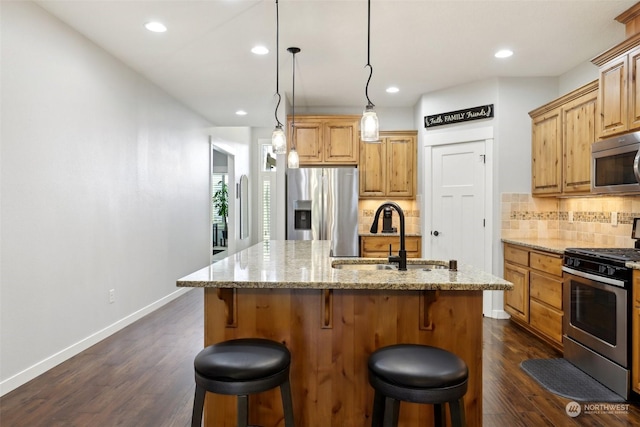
(143, 376)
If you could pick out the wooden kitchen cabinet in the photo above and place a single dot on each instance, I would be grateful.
(546, 153)
(562, 133)
(388, 169)
(536, 301)
(378, 246)
(613, 96)
(516, 301)
(619, 93)
(635, 331)
(325, 140)
(579, 131)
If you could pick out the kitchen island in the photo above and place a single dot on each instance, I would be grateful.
(332, 313)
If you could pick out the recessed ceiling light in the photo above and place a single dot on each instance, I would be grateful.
(241, 113)
(504, 53)
(156, 27)
(393, 89)
(260, 50)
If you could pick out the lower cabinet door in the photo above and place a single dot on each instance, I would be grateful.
(545, 319)
(516, 301)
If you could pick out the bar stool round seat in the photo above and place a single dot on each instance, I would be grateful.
(242, 367)
(419, 374)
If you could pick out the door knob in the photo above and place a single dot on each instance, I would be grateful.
(435, 233)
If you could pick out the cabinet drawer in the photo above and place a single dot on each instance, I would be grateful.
(546, 289)
(551, 264)
(546, 320)
(381, 244)
(516, 255)
(386, 254)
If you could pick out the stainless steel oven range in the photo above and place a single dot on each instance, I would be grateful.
(597, 320)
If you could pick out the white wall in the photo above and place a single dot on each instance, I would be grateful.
(104, 185)
(578, 76)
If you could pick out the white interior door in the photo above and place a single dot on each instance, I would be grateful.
(458, 203)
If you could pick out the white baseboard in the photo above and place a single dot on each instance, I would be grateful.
(41, 367)
(500, 314)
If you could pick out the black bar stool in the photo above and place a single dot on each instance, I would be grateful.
(241, 367)
(419, 374)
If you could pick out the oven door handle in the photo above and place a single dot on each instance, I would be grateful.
(607, 280)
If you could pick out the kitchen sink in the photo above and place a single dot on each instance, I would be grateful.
(370, 267)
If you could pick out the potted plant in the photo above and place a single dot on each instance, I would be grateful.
(221, 204)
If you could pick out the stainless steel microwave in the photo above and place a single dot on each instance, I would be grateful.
(615, 165)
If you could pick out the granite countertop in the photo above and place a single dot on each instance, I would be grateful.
(295, 264)
(557, 246)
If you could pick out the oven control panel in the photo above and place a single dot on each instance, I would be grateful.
(597, 266)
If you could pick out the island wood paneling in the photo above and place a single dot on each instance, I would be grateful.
(329, 367)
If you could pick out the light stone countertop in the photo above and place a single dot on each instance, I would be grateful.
(557, 246)
(296, 264)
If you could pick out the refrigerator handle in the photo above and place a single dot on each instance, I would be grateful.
(323, 204)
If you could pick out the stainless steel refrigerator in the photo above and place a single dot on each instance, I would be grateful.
(322, 204)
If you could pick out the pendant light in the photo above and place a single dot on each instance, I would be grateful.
(278, 138)
(369, 127)
(293, 161)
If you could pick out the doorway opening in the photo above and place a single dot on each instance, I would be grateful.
(219, 204)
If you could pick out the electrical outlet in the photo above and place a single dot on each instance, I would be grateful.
(112, 296)
(570, 216)
(614, 218)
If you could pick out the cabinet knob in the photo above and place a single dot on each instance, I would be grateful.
(435, 233)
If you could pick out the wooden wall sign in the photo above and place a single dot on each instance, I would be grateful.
(452, 117)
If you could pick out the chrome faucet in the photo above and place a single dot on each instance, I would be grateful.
(401, 258)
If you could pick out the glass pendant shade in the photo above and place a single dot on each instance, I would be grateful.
(279, 140)
(293, 161)
(369, 127)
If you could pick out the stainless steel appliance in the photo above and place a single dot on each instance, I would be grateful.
(322, 204)
(616, 165)
(597, 303)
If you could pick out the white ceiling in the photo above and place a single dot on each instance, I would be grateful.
(421, 46)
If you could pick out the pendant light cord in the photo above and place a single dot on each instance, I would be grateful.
(278, 63)
(293, 106)
(366, 89)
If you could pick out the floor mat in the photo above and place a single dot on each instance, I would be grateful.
(560, 377)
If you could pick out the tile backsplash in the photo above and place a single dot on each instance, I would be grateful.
(367, 209)
(588, 219)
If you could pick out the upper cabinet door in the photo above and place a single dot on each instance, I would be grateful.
(308, 141)
(613, 96)
(341, 141)
(634, 89)
(546, 148)
(579, 123)
(401, 156)
(372, 167)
